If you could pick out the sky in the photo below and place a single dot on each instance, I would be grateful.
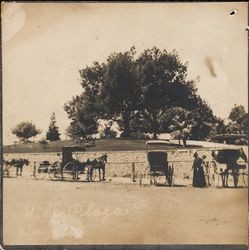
(44, 45)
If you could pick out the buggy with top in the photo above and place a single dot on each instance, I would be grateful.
(157, 157)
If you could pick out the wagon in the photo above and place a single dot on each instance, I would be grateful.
(45, 167)
(68, 168)
(71, 167)
(226, 162)
(157, 157)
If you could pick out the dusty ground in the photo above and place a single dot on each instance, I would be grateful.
(53, 212)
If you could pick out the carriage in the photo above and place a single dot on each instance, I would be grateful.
(157, 157)
(226, 162)
(68, 168)
(71, 167)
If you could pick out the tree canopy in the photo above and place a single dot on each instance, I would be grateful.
(53, 130)
(25, 130)
(239, 119)
(236, 123)
(141, 93)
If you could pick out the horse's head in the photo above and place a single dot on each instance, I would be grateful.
(242, 154)
(24, 161)
(104, 157)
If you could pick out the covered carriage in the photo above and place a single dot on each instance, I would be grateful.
(71, 167)
(229, 161)
(68, 168)
(157, 157)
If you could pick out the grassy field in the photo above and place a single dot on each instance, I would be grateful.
(100, 145)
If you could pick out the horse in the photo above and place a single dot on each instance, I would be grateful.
(230, 158)
(18, 164)
(99, 164)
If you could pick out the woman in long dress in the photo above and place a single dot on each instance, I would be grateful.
(198, 172)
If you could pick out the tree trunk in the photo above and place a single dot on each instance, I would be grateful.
(184, 141)
(155, 125)
(154, 135)
(126, 125)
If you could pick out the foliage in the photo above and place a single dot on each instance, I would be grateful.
(25, 130)
(237, 123)
(237, 114)
(140, 94)
(219, 127)
(53, 130)
(107, 131)
(84, 119)
(164, 85)
(238, 120)
(203, 120)
(245, 124)
(121, 89)
(43, 142)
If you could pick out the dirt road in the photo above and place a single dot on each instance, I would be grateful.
(53, 212)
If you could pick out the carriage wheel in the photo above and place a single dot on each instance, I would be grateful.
(75, 173)
(168, 176)
(214, 176)
(156, 179)
(66, 175)
(66, 172)
(55, 171)
(151, 182)
(171, 183)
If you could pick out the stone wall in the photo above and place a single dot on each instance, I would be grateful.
(119, 162)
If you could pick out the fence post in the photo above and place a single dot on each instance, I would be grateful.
(133, 171)
(140, 179)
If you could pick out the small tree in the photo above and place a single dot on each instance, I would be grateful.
(237, 113)
(238, 120)
(84, 124)
(44, 143)
(25, 130)
(53, 130)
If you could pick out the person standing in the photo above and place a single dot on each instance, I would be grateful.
(206, 169)
(34, 169)
(198, 172)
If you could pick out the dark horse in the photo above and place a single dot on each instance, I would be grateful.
(230, 158)
(18, 164)
(99, 164)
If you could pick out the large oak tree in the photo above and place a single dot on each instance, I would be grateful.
(137, 92)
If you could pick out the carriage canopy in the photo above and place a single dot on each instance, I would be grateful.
(67, 152)
(228, 155)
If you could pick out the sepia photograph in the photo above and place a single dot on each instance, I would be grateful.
(124, 124)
